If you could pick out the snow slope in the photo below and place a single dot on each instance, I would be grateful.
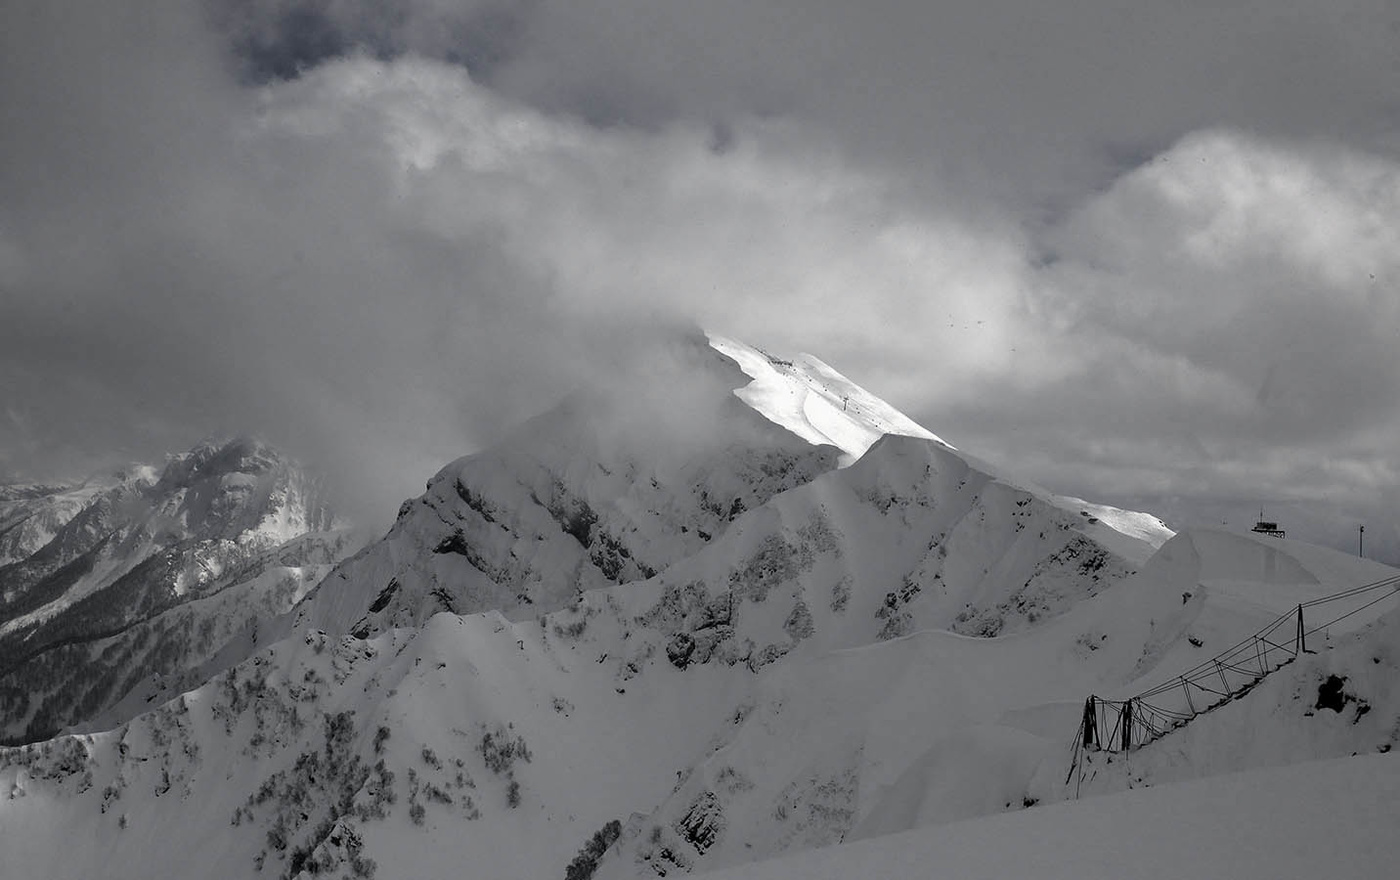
(1316, 819)
(588, 717)
(1339, 699)
(1203, 592)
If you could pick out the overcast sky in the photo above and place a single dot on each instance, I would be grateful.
(1134, 251)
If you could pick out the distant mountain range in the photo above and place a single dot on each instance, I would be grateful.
(122, 580)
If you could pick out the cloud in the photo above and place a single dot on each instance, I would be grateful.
(175, 267)
(1027, 103)
(593, 235)
(1226, 319)
(1127, 253)
(280, 39)
(384, 264)
(1265, 271)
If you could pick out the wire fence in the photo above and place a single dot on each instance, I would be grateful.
(1121, 725)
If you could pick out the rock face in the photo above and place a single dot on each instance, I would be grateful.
(136, 581)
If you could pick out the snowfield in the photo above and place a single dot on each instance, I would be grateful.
(1316, 819)
(813, 641)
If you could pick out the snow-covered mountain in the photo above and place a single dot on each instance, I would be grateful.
(743, 610)
(595, 493)
(602, 490)
(507, 746)
(148, 572)
(30, 515)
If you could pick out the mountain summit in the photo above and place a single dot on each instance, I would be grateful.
(620, 485)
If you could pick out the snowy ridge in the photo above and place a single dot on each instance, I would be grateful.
(30, 516)
(693, 640)
(236, 498)
(816, 402)
(934, 728)
(85, 619)
(813, 749)
(593, 493)
(590, 494)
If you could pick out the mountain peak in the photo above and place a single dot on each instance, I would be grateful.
(229, 532)
(815, 402)
(218, 457)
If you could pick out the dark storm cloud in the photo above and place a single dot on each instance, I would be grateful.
(280, 39)
(1030, 101)
(1129, 249)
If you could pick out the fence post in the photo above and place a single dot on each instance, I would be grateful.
(1302, 646)
(1127, 724)
(1090, 723)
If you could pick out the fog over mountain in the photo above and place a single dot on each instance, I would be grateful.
(1136, 254)
(637, 587)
